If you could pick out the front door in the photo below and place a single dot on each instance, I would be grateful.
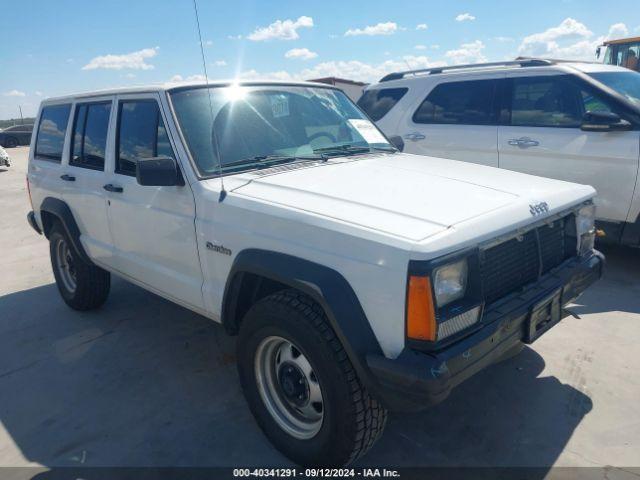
(153, 227)
(542, 136)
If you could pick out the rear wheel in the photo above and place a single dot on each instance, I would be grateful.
(83, 286)
(11, 142)
(301, 386)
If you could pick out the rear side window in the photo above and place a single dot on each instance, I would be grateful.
(141, 134)
(90, 128)
(459, 103)
(377, 103)
(51, 131)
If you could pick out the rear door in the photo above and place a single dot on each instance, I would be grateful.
(83, 176)
(153, 227)
(47, 153)
(542, 136)
(456, 119)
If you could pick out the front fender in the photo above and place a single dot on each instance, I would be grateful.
(325, 286)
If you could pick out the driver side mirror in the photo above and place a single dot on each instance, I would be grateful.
(603, 122)
(158, 172)
(397, 142)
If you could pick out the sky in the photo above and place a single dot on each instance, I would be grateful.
(54, 48)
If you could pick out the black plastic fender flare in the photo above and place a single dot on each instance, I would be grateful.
(325, 286)
(62, 212)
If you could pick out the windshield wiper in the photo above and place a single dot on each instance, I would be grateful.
(343, 149)
(264, 161)
(352, 149)
(389, 149)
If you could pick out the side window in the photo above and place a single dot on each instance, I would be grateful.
(141, 134)
(459, 103)
(51, 132)
(377, 103)
(593, 103)
(551, 101)
(90, 128)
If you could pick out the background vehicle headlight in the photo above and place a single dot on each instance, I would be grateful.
(585, 227)
(450, 282)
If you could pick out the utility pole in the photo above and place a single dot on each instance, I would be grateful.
(21, 117)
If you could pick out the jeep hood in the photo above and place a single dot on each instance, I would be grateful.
(408, 196)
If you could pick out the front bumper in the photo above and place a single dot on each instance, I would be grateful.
(415, 380)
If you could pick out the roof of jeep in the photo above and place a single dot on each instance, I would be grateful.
(170, 86)
(520, 64)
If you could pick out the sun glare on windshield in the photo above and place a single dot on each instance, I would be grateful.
(235, 92)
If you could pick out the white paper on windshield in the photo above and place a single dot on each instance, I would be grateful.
(368, 130)
(279, 106)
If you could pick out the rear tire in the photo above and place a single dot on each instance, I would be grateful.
(83, 286)
(11, 142)
(301, 386)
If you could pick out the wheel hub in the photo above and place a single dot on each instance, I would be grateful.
(289, 387)
(293, 384)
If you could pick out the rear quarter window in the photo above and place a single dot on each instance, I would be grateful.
(51, 131)
(377, 103)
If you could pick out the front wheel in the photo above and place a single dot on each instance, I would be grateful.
(83, 286)
(11, 142)
(301, 386)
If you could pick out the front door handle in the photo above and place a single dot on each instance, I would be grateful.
(414, 136)
(110, 187)
(68, 178)
(523, 142)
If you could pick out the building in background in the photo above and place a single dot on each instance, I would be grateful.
(352, 88)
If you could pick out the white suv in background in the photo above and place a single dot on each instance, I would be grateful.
(571, 121)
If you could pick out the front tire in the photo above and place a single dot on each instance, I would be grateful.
(11, 142)
(83, 286)
(301, 386)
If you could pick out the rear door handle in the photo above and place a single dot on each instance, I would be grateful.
(523, 142)
(68, 178)
(414, 136)
(110, 187)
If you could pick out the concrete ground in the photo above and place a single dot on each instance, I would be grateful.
(143, 382)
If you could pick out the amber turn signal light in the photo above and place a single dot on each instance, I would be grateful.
(421, 319)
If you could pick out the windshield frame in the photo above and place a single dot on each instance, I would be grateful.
(220, 172)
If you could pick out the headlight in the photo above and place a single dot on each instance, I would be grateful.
(450, 282)
(585, 227)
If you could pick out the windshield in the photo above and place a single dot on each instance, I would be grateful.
(625, 83)
(247, 125)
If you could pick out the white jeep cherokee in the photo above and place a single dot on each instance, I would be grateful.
(358, 278)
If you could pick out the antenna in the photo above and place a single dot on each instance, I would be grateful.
(223, 192)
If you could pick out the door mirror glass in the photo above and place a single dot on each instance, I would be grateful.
(603, 122)
(158, 172)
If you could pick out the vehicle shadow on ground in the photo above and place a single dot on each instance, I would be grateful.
(140, 381)
(145, 382)
(507, 415)
(619, 289)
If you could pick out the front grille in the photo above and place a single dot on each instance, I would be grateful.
(517, 262)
